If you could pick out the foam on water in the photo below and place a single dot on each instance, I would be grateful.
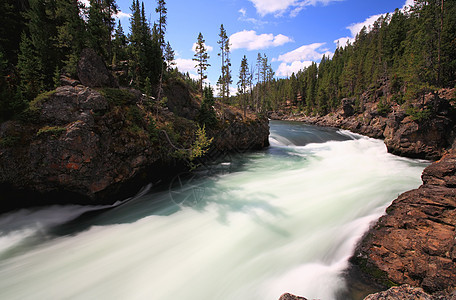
(282, 220)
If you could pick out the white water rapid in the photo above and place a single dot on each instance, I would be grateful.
(252, 226)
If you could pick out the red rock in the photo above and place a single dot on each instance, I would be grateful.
(423, 254)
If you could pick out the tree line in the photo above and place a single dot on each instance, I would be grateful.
(406, 53)
(43, 39)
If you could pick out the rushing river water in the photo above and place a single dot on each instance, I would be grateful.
(251, 226)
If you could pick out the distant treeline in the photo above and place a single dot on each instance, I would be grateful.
(407, 54)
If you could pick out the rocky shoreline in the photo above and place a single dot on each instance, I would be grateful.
(414, 244)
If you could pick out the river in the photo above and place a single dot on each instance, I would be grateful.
(250, 226)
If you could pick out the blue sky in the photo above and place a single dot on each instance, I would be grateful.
(292, 33)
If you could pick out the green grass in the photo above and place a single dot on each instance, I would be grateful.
(53, 131)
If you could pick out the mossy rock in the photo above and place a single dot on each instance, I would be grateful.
(118, 97)
(374, 272)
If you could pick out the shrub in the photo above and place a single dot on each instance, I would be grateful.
(117, 96)
(383, 108)
(418, 115)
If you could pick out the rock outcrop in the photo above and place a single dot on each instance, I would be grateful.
(92, 71)
(403, 292)
(81, 145)
(415, 242)
(425, 130)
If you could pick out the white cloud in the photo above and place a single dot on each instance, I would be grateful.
(208, 48)
(301, 58)
(250, 40)
(407, 4)
(286, 70)
(355, 28)
(185, 65)
(303, 53)
(122, 15)
(119, 15)
(278, 8)
(243, 18)
(343, 41)
(265, 7)
(188, 65)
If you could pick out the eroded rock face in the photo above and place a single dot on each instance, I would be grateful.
(92, 71)
(415, 242)
(428, 138)
(79, 147)
(84, 146)
(403, 292)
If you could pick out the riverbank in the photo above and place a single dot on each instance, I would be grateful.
(94, 143)
(425, 130)
(415, 241)
(250, 226)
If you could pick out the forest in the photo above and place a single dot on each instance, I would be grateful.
(408, 53)
(53, 35)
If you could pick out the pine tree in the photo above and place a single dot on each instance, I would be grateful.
(162, 15)
(225, 78)
(169, 57)
(135, 38)
(201, 57)
(41, 33)
(12, 16)
(207, 116)
(30, 69)
(100, 26)
(71, 33)
(243, 82)
(119, 45)
(144, 49)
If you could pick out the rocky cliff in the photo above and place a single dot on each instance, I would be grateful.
(415, 242)
(424, 129)
(85, 145)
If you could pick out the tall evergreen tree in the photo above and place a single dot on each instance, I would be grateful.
(201, 57)
(162, 16)
(225, 78)
(119, 45)
(100, 26)
(169, 56)
(243, 82)
(30, 69)
(71, 33)
(40, 35)
(161, 29)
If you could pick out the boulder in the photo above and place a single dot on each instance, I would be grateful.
(403, 292)
(347, 107)
(288, 296)
(427, 139)
(92, 71)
